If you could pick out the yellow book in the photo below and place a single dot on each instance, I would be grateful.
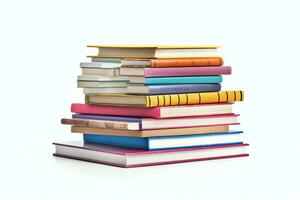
(166, 99)
(155, 51)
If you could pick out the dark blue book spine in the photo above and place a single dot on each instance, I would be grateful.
(120, 141)
(183, 88)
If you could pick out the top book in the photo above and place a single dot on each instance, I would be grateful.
(153, 51)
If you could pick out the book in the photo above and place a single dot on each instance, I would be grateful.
(150, 133)
(105, 90)
(175, 80)
(118, 61)
(157, 112)
(98, 121)
(168, 142)
(154, 51)
(175, 62)
(127, 157)
(173, 88)
(103, 72)
(111, 124)
(101, 78)
(175, 71)
(166, 100)
(101, 84)
(100, 65)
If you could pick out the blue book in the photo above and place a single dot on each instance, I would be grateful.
(167, 142)
(172, 89)
(176, 80)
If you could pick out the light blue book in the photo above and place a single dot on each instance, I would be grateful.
(176, 80)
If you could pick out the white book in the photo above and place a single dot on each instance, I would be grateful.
(101, 78)
(108, 90)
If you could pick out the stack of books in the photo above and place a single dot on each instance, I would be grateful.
(151, 105)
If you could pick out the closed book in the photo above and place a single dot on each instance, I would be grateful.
(155, 51)
(128, 157)
(105, 90)
(157, 112)
(152, 123)
(101, 84)
(103, 72)
(115, 61)
(167, 142)
(171, 89)
(150, 133)
(102, 78)
(175, 80)
(100, 65)
(175, 62)
(166, 100)
(175, 71)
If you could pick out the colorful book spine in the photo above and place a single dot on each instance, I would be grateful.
(186, 71)
(179, 88)
(194, 98)
(183, 80)
(187, 62)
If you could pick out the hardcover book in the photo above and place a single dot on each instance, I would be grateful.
(151, 133)
(127, 157)
(168, 142)
(150, 51)
(167, 99)
(157, 112)
(175, 80)
(172, 88)
(174, 71)
(175, 62)
(98, 121)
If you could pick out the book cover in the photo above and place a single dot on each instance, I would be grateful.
(172, 141)
(170, 89)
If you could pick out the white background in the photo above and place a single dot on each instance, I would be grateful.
(42, 43)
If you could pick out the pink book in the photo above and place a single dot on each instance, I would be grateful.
(127, 157)
(186, 71)
(157, 112)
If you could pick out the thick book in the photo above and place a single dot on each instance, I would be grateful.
(167, 142)
(174, 71)
(102, 78)
(105, 90)
(166, 100)
(172, 88)
(100, 65)
(128, 157)
(154, 51)
(100, 121)
(101, 84)
(157, 112)
(175, 62)
(151, 133)
(175, 80)
(102, 72)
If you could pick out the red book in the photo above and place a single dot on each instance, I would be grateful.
(157, 112)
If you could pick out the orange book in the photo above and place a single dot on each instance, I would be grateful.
(174, 62)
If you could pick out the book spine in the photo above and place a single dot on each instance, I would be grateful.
(121, 141)
(194, 98)
(96, 123)
(186, 71)
(184, 88)
(111, 110)
(187, 62)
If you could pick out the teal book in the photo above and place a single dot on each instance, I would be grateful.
(176, 80)
(109, 60)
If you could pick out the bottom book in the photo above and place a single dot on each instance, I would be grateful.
(127, 157)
